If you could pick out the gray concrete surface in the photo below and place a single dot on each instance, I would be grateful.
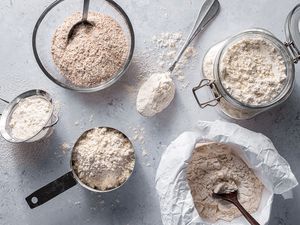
(26, 167)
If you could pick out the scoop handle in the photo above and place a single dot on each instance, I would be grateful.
(247, 215)
(85, 11)
(51, 190)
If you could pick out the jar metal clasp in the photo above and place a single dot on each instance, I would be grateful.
(293, 50)
(211, 84)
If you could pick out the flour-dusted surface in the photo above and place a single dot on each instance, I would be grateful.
(94, 54)
(103, 158)
(169, 44)
(26, 167)
(253, 71)
(155, 94)
(29, 117)
(212, 167)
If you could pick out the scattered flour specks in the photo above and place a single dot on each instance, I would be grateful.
(158, 55)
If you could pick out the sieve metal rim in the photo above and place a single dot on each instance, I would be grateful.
(5, 117)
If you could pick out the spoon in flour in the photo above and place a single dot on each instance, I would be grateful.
(159, 90)
(83, 20)
(231, 196)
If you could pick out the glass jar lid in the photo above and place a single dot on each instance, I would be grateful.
(292, 32)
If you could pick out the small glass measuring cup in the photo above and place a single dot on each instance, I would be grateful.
(68, 180)
(45, 130)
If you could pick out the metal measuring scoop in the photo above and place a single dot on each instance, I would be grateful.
(83, 20)
(208, 12)
(69, 180)
(232, 197)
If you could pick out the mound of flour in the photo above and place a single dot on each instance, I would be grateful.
(103, 159)
(155, 94)
(29, 117)
(214, 167)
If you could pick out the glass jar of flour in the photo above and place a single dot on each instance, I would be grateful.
(252, 71)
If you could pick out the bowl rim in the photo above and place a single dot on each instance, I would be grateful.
(105, 85)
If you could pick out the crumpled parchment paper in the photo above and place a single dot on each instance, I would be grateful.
(176, 203)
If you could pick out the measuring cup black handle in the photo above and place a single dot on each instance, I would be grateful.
(51, 190)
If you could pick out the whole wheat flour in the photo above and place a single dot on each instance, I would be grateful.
(212, 168)
(29, 117)
(103, 158)
(94, 54)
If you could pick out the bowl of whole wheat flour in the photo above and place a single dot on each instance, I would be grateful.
(95, 57)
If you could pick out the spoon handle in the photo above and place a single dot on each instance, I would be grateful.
(85, 13)
(208, 12)
(247, 215)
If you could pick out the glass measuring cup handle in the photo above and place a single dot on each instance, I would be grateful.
(51, 190)
(211, 84)
(3, 100)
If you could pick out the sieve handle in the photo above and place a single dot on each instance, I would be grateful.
(3, 100)
(55, 121)
(51, 190)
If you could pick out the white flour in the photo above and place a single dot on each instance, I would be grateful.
(209, 60)
(207, 68)
(103, 159)
(158, 91)
(29, 117)
(155, 94)
(213, 168)
(253, 71)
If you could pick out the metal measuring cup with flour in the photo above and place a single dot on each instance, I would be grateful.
(29, 117)
(102, 160)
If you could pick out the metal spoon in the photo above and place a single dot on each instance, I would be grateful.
(83, 20)
(207, 13)
(232, 198)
